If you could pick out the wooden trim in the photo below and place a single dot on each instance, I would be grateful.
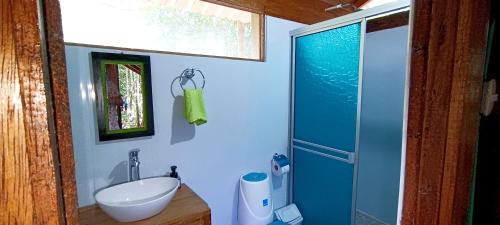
(62, 115)
(359, 3)
(253, 9)
(448, 49)
(17, 208)
(307, 12)
(262, 38)
(30, 140)
(470, 58)
(388, 22)
(156, 51)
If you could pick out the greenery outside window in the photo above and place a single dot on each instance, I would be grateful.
(173, 26)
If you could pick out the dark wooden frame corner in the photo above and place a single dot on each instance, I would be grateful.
(101, 100)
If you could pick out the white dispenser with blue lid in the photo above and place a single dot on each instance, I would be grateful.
(255, 205)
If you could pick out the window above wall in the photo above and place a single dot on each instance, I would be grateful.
(172, 26)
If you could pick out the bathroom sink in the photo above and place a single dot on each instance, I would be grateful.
(137, 200)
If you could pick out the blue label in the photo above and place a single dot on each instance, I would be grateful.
(265, 202)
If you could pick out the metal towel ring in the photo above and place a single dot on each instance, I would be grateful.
(189, 74)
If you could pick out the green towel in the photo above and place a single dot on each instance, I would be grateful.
(194, 106)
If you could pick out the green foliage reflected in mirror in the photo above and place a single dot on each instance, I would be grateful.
(123, 95)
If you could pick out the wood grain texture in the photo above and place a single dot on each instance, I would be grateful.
(470, 52)
(307, 12)
(62, 115)
(359, 3)
(186, 208)
(388, 22)
(16, 202)
(29, 183)
(446, 76)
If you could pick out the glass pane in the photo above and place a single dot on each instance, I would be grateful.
(130, 81)
(326, 87)
(185, 26)
(124, 94)
(322, 189)
(326, 96)
(381, 127)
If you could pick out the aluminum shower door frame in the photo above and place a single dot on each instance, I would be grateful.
(357, 17)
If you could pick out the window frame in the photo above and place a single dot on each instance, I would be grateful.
(262, 40)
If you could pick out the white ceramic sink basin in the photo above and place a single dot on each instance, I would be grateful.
(137, 200)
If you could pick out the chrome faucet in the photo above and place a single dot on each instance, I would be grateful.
(133, 165)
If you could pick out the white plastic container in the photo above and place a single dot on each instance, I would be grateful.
(255, 206)
(289, 214)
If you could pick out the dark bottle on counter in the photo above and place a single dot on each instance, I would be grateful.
(174, 174)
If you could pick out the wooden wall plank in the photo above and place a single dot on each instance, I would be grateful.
(464, 118)
(32, 196)
(388, 22)
(62, 115)
(307, 12)
(438, 79)
(34, 100)
(16, 203)
(446, 77)
(359, 3)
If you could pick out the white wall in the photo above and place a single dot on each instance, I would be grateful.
(247, 105)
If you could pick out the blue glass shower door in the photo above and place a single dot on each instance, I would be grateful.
(325, 116)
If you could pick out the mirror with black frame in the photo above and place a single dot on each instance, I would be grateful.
(123, 95)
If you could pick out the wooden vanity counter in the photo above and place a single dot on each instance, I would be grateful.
(186, 208)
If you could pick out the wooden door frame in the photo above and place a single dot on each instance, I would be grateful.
(56, 58)
(446, 74)
(38, 183)
(448, 54)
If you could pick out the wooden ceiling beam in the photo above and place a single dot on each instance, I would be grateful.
(332, 2)
(359, 3)
(307, 12)
(388, 22)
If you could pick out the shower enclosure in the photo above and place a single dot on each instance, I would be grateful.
(347, 118)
